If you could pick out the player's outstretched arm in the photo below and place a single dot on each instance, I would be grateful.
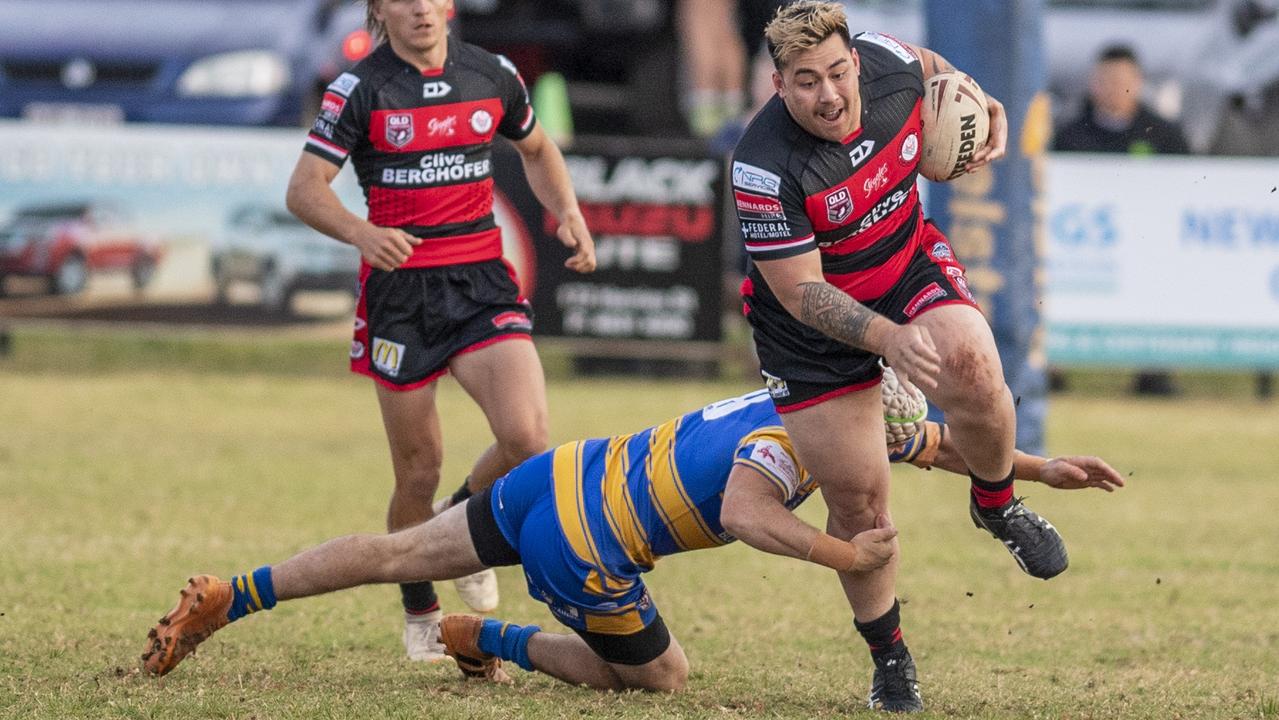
(549, 179)
(1073, 472)
(753, 511)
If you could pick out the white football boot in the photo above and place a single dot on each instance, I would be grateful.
(478, 591)
(422, 637)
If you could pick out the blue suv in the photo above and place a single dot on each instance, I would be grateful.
(221, 62)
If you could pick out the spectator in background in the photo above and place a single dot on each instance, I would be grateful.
(718, 39)
(1115, 120)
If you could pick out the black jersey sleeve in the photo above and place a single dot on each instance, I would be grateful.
(517, 111)
(343, 120)
(770, 209)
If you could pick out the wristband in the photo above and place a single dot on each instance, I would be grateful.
(925, 456)
(832, 552)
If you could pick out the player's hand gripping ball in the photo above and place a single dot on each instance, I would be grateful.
(956, 125)
(904, 408)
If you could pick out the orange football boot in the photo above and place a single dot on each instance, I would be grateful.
(200, 612)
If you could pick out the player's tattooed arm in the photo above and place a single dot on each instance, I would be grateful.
(833, 312)
(931, 62)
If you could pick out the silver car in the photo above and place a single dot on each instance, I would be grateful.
(273, 250)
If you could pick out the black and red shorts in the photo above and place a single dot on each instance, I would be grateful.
(410, 322)
(803, 367)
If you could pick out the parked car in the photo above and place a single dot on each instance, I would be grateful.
(240, 62)
(1211, 64)
(65, 242)
(270, 248)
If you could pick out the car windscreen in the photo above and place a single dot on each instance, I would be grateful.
(50, 212)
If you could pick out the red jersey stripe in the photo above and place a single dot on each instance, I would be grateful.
(397, 207)
(456, 250)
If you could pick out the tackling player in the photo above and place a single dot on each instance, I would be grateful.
(417, 117)
(586, 520)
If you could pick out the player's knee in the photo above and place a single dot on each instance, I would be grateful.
(524, 442)
(668, 674)
(974, 379)
(854, 511)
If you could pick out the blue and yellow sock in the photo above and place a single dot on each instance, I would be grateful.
(253, 592)
(508, 641)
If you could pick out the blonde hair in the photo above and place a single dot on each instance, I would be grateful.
(371, 23)
(803, 25)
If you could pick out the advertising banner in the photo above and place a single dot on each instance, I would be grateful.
(1163, 261)
(654, 209)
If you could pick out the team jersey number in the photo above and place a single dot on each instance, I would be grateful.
(724, 408)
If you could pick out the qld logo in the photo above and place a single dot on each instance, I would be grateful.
(839, 205)
(399, 129)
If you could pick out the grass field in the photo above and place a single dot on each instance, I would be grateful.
(125, 474)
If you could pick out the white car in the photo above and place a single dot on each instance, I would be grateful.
(270, 248)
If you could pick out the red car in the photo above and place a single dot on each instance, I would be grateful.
(65, 242)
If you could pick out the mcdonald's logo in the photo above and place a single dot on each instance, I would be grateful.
(387, 356)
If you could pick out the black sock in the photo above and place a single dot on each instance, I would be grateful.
(419, 598)
(884, 634)
(462, 494)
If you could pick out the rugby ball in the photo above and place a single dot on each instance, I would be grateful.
(956, 125)
(905, 408)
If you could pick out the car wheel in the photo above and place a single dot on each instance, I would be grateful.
(142, 271)
(70, 277)
(277, 293)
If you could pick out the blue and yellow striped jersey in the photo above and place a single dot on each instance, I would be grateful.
(623, 502)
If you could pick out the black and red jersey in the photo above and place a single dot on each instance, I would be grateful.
(855, 200)
(421, 143)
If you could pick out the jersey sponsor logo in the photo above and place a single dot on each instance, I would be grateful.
(481, 121)
(839, 205)
(331, 107)
(323, 127)
(776, 386)
(960, 282)
(344, 84)
(512, 319)
(876, 182)
(758, 207)
(357, 349)
(765, 230)
(360, 324)
(438, 168)
(892, 44)
(858, 155)
(941, 251)
(910, 148)
(387, 356)
(922, 298)
(749, 177)
(773, 457)
(881, 210)
(399, 129)
(447, 126)
(435, 89)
